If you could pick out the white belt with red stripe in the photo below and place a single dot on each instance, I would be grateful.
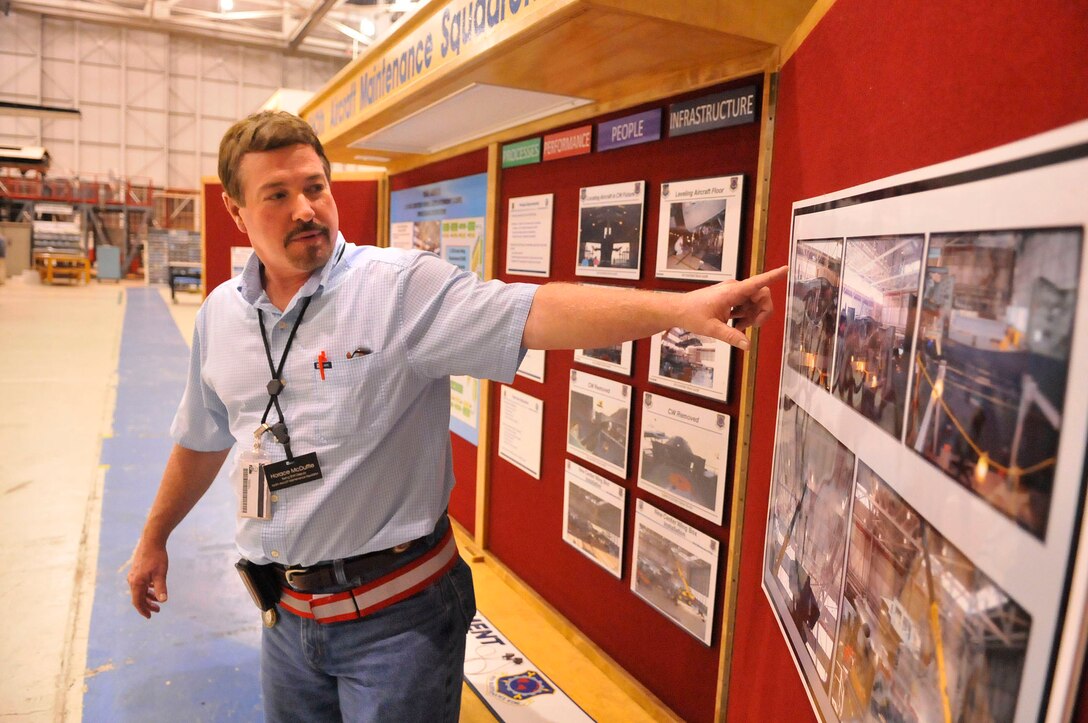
(376, 594)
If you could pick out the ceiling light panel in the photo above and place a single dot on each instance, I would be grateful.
(475, 111)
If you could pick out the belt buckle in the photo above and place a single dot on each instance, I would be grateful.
(290, 573)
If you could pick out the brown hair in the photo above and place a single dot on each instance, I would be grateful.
(264, 131)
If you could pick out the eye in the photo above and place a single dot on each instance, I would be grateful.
(276, 196)
(316, 188)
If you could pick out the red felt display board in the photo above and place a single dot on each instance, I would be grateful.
(877, 89)
(463, 497)
(526, 518)
(356, 203)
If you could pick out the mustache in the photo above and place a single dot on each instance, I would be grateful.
(304, 228)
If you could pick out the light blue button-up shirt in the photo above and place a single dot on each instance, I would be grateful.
(379, 421)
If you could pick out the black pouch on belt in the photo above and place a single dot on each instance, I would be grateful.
(261, 584)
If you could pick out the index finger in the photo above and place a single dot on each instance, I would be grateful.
(765, 279)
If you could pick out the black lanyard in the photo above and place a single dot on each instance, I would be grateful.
(279, 430)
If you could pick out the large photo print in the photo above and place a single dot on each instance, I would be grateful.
(876, 326)
(926, 528)
(992, 363)
(811, 311)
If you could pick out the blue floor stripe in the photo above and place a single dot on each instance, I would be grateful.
(197, 660)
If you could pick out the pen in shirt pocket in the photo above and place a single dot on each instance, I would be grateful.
(359, 351)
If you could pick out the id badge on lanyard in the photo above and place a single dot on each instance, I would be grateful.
(250, 484)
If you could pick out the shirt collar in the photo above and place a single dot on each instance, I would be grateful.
(249, 283)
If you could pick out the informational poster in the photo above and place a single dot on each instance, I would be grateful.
(698, 233)
(690, 362)
(532, 365)
(529, 235)
(593, 516)
(447, 218)
(598, 418)
(676, 570)
(613, 358)
(925, 541)
(683, 451)
(610, 230)
(521, 429)
(509, 684)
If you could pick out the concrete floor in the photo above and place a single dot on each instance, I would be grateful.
(58, 381)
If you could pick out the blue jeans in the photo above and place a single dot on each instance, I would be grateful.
(403, 663)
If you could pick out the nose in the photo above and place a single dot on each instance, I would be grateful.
(302, 210)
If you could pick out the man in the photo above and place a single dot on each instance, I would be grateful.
(332, 361)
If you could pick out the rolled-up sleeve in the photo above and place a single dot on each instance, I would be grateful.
(456, 324)
(201, 420)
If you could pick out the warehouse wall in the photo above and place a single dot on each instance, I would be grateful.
(154, 104)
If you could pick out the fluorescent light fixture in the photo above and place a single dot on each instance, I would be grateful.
(375, 159)
(472, 112)
(225, 6)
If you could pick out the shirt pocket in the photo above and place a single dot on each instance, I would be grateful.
(350, 391)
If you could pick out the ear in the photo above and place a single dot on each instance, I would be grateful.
(234, 210)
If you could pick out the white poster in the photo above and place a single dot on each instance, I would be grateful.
(532, 365)
(676, 570)
(925, 549)
(683, 451)
(597, 421)
(593, 516)
(610, 230)
(402, 235)
(521, 427)
(529, 235)
(698, 233)
(239, 256)
(690, 362)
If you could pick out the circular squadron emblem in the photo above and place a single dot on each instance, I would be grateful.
(521, 687)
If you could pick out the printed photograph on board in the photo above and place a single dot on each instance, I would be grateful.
(920, 624)
(876, 326)
(690, 362)
(812, 308)
(593, 516)
(699, 228)
(992, 364)
(806, 535)
(676, 570)
(616, 358)
(610, 230)
(683, 454)
(598, 418)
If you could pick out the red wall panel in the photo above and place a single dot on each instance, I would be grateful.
(526, 519)
(877, 89)
(463, 497)
(356, 202)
